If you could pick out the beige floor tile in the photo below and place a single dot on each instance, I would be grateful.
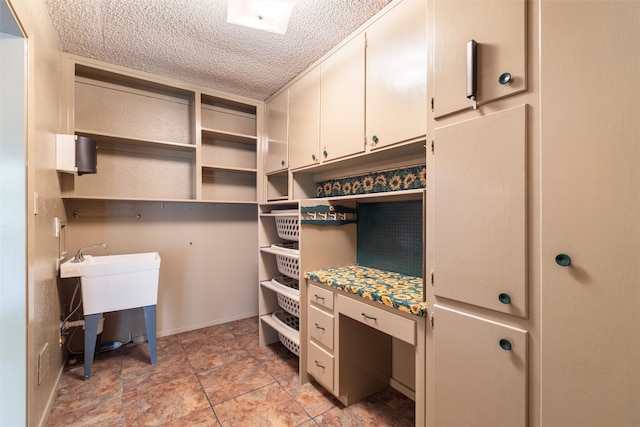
(281, 363)
(214, 353)
(248, 326)
(107, 413)
(76, 392)
(206, 335)
(362, 414)
(143, 375)
(139, 353)
(221, 369)
(267, 406)
(231, 380)
(204, 418)
(313, 398)
(164, 403)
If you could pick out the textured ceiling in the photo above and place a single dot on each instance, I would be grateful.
(189, 40)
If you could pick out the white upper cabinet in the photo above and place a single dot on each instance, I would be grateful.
(499, 29)
(396, 101)
(367, 94)
(304, 120)
(277, 127)
(342, 101)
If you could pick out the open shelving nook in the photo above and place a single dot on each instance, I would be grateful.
(160, 139)
(277, 186)
(229, 149)
(303, 182)
(144, 131)
(268, 303)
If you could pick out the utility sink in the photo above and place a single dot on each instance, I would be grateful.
(116, 282)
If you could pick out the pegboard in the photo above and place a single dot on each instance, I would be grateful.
(390, 236)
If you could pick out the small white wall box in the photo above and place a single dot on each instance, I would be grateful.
(76, 153)
(66, 153)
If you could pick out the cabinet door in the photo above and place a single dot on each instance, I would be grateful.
(481, 371)
(277, 124)
(479, 186)
(342, 101)
(590, 325)
(396, 101)
(499, 28)
(304, 120)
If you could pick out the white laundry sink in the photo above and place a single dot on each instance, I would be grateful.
(116, 282)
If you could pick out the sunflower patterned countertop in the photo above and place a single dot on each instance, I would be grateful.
(395, 290)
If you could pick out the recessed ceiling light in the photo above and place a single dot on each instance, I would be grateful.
(266, 15)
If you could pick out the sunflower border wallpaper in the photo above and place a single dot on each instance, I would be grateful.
(375, 182)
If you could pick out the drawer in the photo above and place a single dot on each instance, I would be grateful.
(321, 326)
(320, 365)
(322, 297)
(392, 324)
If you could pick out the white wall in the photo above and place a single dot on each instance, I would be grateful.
(13, 225)
(42, 306)
(208, 271)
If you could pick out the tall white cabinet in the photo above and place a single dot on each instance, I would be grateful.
(590, 330)
(478, 230)
(535, 256)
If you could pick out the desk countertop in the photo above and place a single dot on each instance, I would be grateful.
(395, 290)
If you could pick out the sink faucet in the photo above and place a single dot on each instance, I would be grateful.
(79, 257)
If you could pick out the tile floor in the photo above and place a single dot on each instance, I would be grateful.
(215, 376)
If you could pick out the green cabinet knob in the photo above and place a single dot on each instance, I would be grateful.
(563, 260)
(504, 298)
(313, 157)
(324, 153)
(505, 344)
(505, 78)
(282, 162)
(374, 138)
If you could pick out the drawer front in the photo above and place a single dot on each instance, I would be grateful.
(320, 365)
(321, 326)
(389, 323)
(320, 296)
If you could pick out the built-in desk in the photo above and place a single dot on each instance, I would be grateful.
(360, 323)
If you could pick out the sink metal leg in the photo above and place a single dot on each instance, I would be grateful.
(90, 337)
(150, 322)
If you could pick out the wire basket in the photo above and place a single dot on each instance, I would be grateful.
(288, 265)
(292, 324)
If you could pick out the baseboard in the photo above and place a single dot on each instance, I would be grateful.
(195, 326)
(397, 385)
(52, 398)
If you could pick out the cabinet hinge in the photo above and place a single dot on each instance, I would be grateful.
(432, 277)
(432, 321)
(432, 104)
(433, 147)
